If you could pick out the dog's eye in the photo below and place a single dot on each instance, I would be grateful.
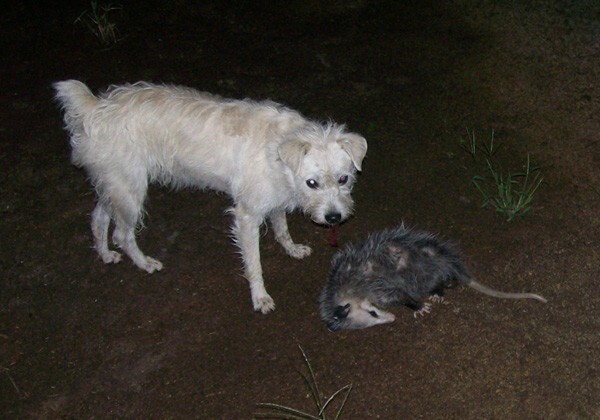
(312, 184)
(343, 179)
(373, 314)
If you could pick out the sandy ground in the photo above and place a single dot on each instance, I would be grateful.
(79, 339)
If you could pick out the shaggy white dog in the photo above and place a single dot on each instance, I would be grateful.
(268, 158)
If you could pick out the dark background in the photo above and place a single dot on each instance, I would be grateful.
(79, 339)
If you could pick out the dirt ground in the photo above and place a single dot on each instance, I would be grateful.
(79, 339)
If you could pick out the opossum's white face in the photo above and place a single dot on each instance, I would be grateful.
(355, 315)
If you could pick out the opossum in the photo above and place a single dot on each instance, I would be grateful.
(394, 267)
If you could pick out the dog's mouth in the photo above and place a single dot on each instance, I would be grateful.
(332, 237)
(332, 232)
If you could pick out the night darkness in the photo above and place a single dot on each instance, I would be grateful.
(417, 79)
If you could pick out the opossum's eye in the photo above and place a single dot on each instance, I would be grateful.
(312, 184)
(373, 314)
(343, 180)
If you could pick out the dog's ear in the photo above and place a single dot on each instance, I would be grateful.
(355, 146)
(291, 152)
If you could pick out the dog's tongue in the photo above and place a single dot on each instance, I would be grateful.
(333, 234)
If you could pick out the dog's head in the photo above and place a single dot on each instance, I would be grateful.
(324, 161)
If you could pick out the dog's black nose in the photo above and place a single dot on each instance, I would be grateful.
(333, 218)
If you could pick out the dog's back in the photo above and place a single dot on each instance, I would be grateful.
(167, 130)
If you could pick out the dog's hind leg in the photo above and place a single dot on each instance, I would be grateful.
(100, 223)
(246, 235)
(127, 209)
(282, 235)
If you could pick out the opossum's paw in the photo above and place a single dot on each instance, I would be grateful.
(424, 310)
(111, 257)
(263, 303)
(299, 251)
(151, 265)
(436, 298)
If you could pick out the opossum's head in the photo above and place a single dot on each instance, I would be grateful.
(354, 314)
(322, 162)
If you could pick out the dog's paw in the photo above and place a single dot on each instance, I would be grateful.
(111, 257)
(263, 304)
(151, 265)
(299, 251)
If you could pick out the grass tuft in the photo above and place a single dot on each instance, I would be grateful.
(510, 194)
(277, 411)
(471, 146)
(96, 20)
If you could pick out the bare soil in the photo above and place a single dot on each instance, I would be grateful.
(79, 339)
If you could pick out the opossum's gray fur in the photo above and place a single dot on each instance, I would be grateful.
(393, 267)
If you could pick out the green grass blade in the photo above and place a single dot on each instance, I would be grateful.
(277, 416)
(330, 399)
(337, 416)
(278, 411)
(286, 411)
(490, 149)
(312, 382)
(509, 193)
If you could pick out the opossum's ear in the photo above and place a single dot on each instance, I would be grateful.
(341, 312)
(355, 146)
(291, 152)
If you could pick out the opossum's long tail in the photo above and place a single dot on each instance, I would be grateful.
(503, 295)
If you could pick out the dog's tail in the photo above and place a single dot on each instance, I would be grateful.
(77, 101)
(75, 98)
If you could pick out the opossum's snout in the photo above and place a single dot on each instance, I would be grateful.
(358, 315)
(369, 315)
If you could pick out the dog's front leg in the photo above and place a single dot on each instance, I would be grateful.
(246, 233)
(282, 235)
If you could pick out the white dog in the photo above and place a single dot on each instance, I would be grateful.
(268, 158)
